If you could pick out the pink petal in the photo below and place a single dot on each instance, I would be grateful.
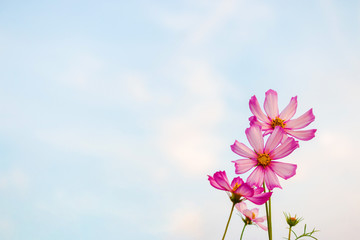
(260, 219)
(256, 110)
(214, 184)
(245, 190)
(284, 139)
(247, 213)
(264, 125)
(271, 104)
(261, 225)
(274, 140)
(244, 165)
(242, 150)
(284, 149)
(290, 110)
(302, 121)
(266, 132)
(255, 138)
(258, 190)
(284, 170)
(256, 177)
(302, 135)
(236, 180)
(271, 179)
(241, 206)
(222, 180)
(260, 199)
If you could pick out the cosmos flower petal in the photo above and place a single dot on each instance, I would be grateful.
(302, 121)
(242, 150)
(237, 181)
(258, 190)
(255, 211)
(290, 110)
(256, 109)
(261, 225)
(285, 138)
(255, 138)
(260, 219)
(256, 177)
(271, 104)
(260, 199)
(284, 149)
(266, 132)
(271, 180)
(284, 170)
(222, 180)
(264, 125)
(245, 190)
(214, 183)
(244, 165)
(303, 134)
(241, 206)
(247, 213)
(274, 140)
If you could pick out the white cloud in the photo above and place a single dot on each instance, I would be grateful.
(66, 207)
(97, 83)
(136, 88)
(219, 15)
(81, 70)
(15, 180)
(7, 229)
(200, 26)
(95, 143)
(188, 135)
(186, 223)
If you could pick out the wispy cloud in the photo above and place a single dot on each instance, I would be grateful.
(188, 136)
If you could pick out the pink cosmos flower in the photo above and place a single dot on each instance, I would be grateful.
(251, 216)
(238, 189)
(272, 118)
(262, 157)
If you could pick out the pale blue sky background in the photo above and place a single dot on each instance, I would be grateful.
(114, 112)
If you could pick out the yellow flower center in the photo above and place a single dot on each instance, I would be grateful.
(236, 186)
(277, 122)
(253, 216)
(263, 159)
(235, 197)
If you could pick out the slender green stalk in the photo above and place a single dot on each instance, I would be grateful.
(270, 218)
(242, 231)
(289, 233)
(267, 219)
(268, 215)
(227, 225)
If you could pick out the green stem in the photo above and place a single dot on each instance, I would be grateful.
(270, 218)
(268, 215)
(242, 231)
(227, 225)
(289, 233)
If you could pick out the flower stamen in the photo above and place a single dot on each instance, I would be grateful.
(236, 186)
(263, 159)
(277, 122)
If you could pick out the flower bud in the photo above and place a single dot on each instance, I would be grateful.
(292, 221)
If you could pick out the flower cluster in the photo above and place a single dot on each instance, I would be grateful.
(272, 136)
(238, 190)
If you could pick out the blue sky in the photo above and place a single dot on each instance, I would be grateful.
(113, 113)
